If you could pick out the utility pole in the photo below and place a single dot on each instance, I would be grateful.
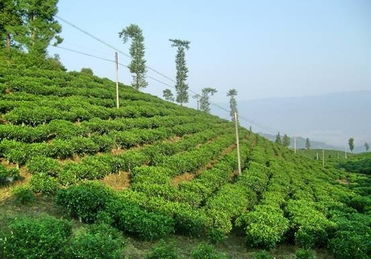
(237, 143)
(345, 151)
(117, 80)
(295, 145)
(323, 158)
(317, 156)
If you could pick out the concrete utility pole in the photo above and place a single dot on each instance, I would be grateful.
(237, 143)
(323, 158)
(295, 145)
(317, 156)
(117, 80)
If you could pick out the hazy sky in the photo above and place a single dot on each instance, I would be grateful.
(262, 48)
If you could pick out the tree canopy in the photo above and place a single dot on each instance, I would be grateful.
(232, 93)
(204, 100)
(181, 70)
(137, 65)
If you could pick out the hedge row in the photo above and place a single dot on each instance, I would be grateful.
(266, 224)
(90, 202)
(49, 237)
(62, 129)
(18, 152)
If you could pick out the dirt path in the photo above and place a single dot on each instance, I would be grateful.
(187, 176)
(118, 181)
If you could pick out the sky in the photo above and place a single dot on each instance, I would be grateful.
(261, 48)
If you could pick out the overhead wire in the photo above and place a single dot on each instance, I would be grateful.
(271, 130)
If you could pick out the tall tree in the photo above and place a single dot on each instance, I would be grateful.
(181, 70)
(232, 93)
(204, 100)
(278, 139)
(286, 140)
(351, 144)
(367, 147)
(39, 27)
(307, 143)
(197, 97)
(168, 95)
(10, 18)
(138, 63)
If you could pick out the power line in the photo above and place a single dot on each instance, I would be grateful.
(107, 60)
(148, 67)
(251, 122)
(110, 46)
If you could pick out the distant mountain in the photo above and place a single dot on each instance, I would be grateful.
(300, 142)
(331, 118)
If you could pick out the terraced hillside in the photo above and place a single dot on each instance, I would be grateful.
(151, 169)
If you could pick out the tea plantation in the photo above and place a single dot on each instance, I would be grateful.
(81, 178)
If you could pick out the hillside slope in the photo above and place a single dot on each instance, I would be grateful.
(171, 169)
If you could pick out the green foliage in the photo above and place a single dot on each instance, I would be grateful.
(265, 226)
(8, 175)
(278, 139)
(136, 221)
(163, 250)
(23, 195)
(351, 144)
(361, 204)
(206, 251)
(286, 141)
(312, 227)
(181, 70)
(43, 165)
(304, 254)
(42, 237)
(262, 255)
(39, 27)
(10, 19)
(168, 95)
(361, 165)
(87, 71)
(204, 100)
(352, 236)
(84, 201)
(232, 93)
(138, 63)
(42, 183)
(97, 241)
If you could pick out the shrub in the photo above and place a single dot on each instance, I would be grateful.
(42, 237)
(8, 175)
(265, 226)
(263, 255)
(45, 165)
(352, 236)
(361, 204)
(206, 251)
(146, 225)
(84, 201)
(23, 195)
(98, 241)
(42, 183)
(304, 254)
(163, 250)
